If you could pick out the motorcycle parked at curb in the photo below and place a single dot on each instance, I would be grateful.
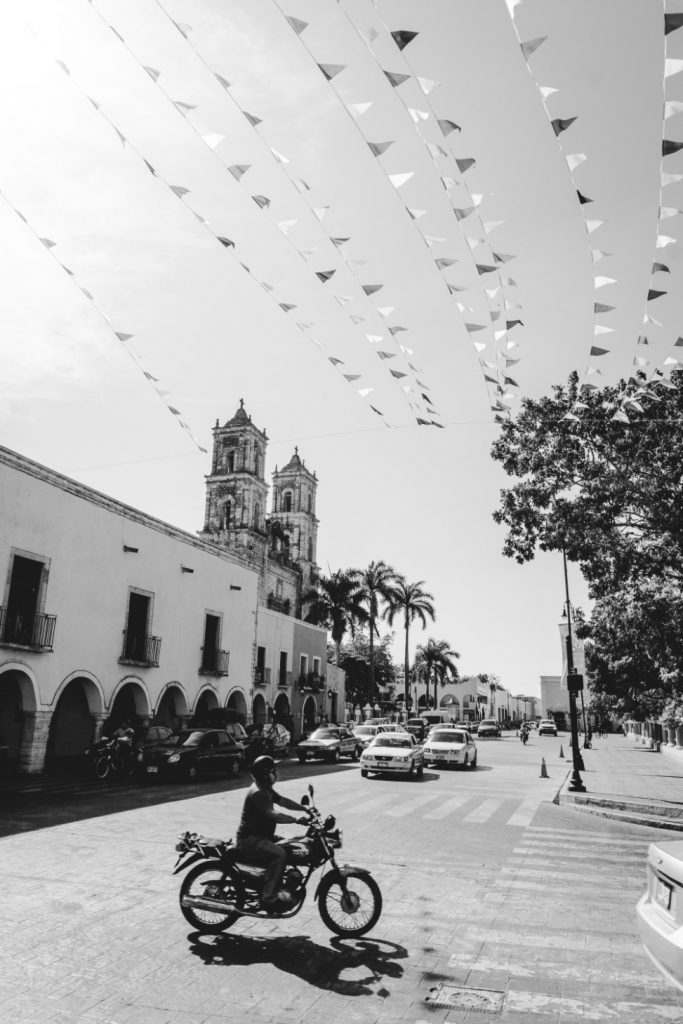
(221, 887)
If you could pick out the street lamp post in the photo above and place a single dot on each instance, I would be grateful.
(573, 679)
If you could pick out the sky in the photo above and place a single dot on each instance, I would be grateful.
(125, 142)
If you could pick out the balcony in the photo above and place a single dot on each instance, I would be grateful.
(279, 604)
(312, 681)
(214, 662)
(284, 679)
(261, 677)
(140, 649)
(34, 631)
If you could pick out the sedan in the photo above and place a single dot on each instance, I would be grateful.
(547, 728)
(392, 752)
(330, 743)
(417, 727)
(450, 747)
(192, 752)
(488, 727)
(660, 910)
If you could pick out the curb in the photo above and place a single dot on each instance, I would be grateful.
(630, 817)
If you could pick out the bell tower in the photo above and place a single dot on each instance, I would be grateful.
(294, 494)
(236, 490)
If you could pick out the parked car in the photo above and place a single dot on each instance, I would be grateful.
(148, 736)
(238, 733)
(192, 752)
(392, 752)
(330, 742)
(546, 727)
(448, 747)
(488, 727)
(473, 728)
(417, 727)
(277, 739)
(660, 910)
(365, 734)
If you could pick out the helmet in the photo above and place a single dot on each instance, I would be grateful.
(262, 766)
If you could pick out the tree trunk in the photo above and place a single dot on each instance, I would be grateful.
(372, 656)
(406, 669)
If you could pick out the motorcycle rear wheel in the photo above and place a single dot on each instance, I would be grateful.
(211, 880)
(352, 912)
(102, 765)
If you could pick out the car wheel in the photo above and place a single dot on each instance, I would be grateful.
(336, 756)
(465, 760)
(302, 758)
(412, 770)
(191, 773)
(364, 773)
(355, 756)
(421, 770)
(474, 761)
(233, 768)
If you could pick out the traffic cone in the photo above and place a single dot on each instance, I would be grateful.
(561, 751)
(544, 770)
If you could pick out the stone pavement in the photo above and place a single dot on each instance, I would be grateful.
(627, 780)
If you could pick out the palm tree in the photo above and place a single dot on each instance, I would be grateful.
(375, 582)
(336, 603)
(411, 601)
(436, 658)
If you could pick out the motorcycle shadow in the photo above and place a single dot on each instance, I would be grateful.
(315, 964)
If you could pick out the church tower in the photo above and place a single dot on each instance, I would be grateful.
(294, 494)
(236, 490)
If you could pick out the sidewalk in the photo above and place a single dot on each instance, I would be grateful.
(628, 781)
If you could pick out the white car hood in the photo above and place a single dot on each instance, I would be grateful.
(445, 746)
(376, 750)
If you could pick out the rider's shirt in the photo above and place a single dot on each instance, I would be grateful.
(255, 821)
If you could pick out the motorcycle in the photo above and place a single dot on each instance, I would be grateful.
(221, 887)
(524, 735)
(112, 756)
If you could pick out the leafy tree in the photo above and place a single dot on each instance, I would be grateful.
(355, 660)
(376, 582)
(412, 602)
(436, 659)
(609, 493)
(336, 602)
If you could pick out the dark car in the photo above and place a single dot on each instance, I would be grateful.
(418, 728)
(192, 752)
(330, 742)
(488, 727)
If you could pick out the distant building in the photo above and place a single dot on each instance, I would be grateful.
(554, 693)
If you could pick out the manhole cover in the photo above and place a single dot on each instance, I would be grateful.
(476, 1000)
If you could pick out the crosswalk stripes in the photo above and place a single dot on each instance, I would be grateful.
(482, 813)
(446, 808)
(524, 814)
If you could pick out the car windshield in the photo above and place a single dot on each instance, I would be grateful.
(365, 730)
(487, 721)
(443, 736)
(325, 734)
(185, 739)
(390, 739)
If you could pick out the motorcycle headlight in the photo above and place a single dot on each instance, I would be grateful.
(174, 758)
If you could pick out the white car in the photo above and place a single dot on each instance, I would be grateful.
(449, 747)
(660, 910)
(546, 727)
(392, 752)
(366, 733)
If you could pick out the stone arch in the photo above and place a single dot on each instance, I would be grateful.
(78, 705)
(206, 700)
(171, 709)
(18, 703)
(450, 702)
(309, 714)
(130, 700)
(282, 712)
(237, 703)
(259, 710)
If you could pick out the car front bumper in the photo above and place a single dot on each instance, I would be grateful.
(662, 939)
(443, 758)
(386, 766)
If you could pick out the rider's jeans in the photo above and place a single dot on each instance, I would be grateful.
(272, 856)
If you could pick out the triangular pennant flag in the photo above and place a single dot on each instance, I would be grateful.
(672, 67)
(418, 115)
(183, 27)
(396, 78)
(593, 225)
(226, 242)
(473, 242)
(663, 241)
(583, 199)
(600, 307)
(48, 243)
(385, 310)
(491, 292)
(152, 72)
(513, 323)
(285, 225)
(335, 361)
(560, 124)
(600, 282)
(223, 81)
(491, 225)
(286, 307)
(483, 268)
(462, 213)
(669, 147)
(642, 340)
(262, 201)
(599, 329)
(397, 180)
(402, 37)
(386, 355)
(331, 71)
(597, 254)
(436, 150)
(443, 262)
(279, 156)
(351, 377)
(357, 318)
(448, 182)
(652, 294)
(124, 337)
(366, 391)
(531, 46)
(672, 107)
(179, 190)
(465, 164)
(183, 106)
(463, 308)
(297, 24)
(237, 170)
(595, 351)
(574, 159)
(325, 275)
(397, 374)
(415, 214)
(338, 241)
(302, 185)
(427, 85)
(343, 299)
(397, 330)
(320, 211)
(480, 346)
(370, 289)
(213, 140)
(501, 257)
(668, 211)
(672, 22)
(471, 328)
(447, 126)
(357, 109)
(63, 66)
(377, 148)
(477, 197)
(368, 35)
(150, 377)
(252, 118)
(546, 91)
(670, 179)
(374, 338)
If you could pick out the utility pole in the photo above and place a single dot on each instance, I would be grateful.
(574, 685)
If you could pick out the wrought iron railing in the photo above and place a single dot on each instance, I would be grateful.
(214, 662)
(35, 631)
(284, 679)
(140, 648)
(262, 676)
(311, 681)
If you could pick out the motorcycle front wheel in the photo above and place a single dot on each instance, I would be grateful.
(102, 766)
(352, 909)
(209, 880)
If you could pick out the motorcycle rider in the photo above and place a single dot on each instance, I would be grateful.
(256, 832)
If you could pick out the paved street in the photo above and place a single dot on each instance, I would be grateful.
(498, 906)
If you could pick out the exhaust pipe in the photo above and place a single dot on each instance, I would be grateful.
(206, 903)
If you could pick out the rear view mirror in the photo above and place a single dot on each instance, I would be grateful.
(304, 801)
(310, 790)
